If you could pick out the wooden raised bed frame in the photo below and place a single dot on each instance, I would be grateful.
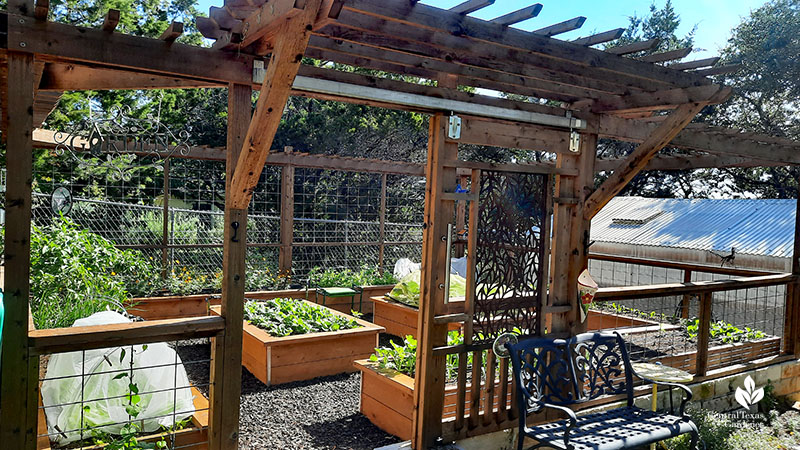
(387, 398)
(180, 306)
(276, 360)
(194, 436)
(401, 320)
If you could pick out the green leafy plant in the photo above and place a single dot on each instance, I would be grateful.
(724, 331)
(402, 358)
(75, 273)
(288, 317)
(343, 277)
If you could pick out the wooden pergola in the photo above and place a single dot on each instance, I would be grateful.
(260, 45)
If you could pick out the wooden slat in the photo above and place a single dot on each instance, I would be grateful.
(53, 41)
(667, 56)
(422, 48)
(634, 47)
(670, 289)
(266, 21)
(57, 340)
(173, 31)
(697, 139)
(73, 77)
(720, 70)
(680, 265)
(703, 334)
(208, 28)
(280, 74)
(110, 21)
(488, 387)
(17, 431)
(561, 27)
(600, 38)
(470, 6)
(287, 217)
(696, 64)
(502, 408)
(475, 392)
(518, 16)
(224, 20)
(461, 390)
(638, 159)
(650, 101)
(41, 9)
(587, 60)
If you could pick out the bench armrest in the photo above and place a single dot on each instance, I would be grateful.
(683, 387)
(573, 421)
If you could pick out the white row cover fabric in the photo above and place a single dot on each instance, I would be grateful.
(157, 370)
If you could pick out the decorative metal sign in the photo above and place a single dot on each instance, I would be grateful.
(510, 254)
(115, 143)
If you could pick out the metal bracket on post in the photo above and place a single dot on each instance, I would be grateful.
(454, 127)
(574, 136)
(259, 71)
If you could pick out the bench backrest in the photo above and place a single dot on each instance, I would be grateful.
(570, 371)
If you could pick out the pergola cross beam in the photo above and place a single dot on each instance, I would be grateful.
(639, 158)
(290, 45)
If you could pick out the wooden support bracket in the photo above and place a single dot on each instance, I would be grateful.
(281, 71)
(637, 160)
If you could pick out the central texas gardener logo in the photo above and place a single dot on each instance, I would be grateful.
(749, 396)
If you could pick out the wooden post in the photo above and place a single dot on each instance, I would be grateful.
(570, 255)
(686, 300)
(430, 375)
(703, 333)
(791, 333)
(226, 371)
(22, 7)
(20, 384)
(165, 224)
(287, 217)
(382, 224)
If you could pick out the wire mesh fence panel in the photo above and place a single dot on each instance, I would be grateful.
(746, 324)
(133, 396)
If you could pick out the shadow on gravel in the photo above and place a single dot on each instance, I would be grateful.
(353, 431)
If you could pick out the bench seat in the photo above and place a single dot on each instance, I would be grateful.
(614, 429)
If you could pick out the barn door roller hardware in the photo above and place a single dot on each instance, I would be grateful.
(574, 136)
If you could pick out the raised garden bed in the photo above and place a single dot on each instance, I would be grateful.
(194, 435)
(276, 360)
(401, 320)
(174, 307)
(387, 398)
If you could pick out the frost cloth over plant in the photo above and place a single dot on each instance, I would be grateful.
(120, 384)
(288, 317)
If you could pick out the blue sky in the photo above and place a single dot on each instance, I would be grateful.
(714, 18)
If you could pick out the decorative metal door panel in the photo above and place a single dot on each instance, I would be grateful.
(513, 231)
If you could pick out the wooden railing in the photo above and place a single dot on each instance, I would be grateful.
(704, 290)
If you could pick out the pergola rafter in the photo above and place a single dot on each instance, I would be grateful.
(602, 93)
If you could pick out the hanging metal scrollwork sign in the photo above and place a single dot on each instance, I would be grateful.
(121, 143)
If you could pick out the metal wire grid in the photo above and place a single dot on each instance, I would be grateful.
(331, 207)
(188, 428)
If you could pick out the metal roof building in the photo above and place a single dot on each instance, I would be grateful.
(759, 233)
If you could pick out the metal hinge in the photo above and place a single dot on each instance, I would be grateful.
(454, 127)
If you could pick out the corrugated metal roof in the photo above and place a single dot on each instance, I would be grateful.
(756, 227)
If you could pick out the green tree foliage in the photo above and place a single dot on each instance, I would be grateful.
(662, 24)
(766, 90)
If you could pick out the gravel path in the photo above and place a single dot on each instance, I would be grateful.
(317, 414)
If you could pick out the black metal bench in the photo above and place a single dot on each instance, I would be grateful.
(559, 373)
